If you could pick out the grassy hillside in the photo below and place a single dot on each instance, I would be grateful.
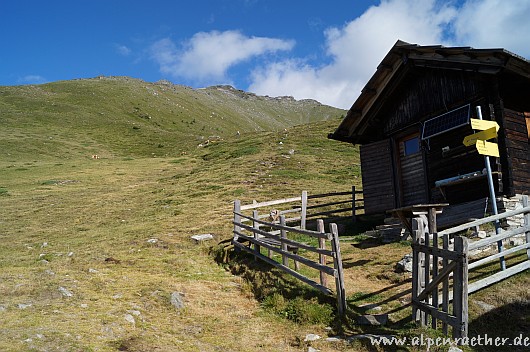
(91, 250)
(120, 116)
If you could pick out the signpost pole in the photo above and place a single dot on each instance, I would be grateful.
(493, 198)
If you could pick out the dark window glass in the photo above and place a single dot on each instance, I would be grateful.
(412, 146)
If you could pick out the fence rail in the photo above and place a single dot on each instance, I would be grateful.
(307, 207)
(264, 235)
(440, 277)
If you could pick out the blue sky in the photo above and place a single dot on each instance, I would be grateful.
(324, 50)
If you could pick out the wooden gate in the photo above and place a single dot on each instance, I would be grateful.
(441, 274)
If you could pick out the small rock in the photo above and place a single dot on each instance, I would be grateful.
(84, 305)
(485, 306)
(92, 271)
(129, 318)
(24, 305)
(372, 306)
(70, 254)
(117, 296)
(334, 339)
(45, 244)
(2, 308)
(49, 272)
(311, 337)
(380, 319)
(203, 237)
(482, 234)
(65, 292)
(152, 240)
(454, 349)
(135, 312)
(177, 300)
(312, 349)
(405, 264)
(291, 151)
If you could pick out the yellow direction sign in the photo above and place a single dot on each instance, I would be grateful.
(482, 125)
(480, 136)
(487, 148)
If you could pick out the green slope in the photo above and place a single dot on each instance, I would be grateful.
(121, 117)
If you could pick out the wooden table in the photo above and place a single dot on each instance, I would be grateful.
(405, 214)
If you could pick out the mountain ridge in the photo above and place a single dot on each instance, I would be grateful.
(124, 116)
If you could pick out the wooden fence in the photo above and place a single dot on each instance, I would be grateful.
(268, 233)
(306, 207)
(441, 272)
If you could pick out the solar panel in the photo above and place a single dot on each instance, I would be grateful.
(446, 122)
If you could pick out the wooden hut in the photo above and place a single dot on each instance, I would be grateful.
(413, 114)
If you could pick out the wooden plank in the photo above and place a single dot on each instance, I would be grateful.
(305, 261)
(436, 280)
(321, 257)
(486, 220)
(283, 236)
(291, 229)
(269, 203)
(303, 215)
(255, 226)
(377, 176)
(498, 255)
(433, 311)
(525, 203)
(460, 289)
(237, 218)
(339, 278)
(297, 275)
(415, 267)
(329, 204)
(440, 252)
(445, 286)
(286, 240)
(326, 195)
(496, 238)
(329, 212)
(499, 276)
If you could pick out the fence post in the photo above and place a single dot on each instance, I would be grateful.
(460, 278)
(283, 235)
(322, 257)
(303, 216)
(415, 268)
(353, 204)
(445, 285)
(525, 202)
(433, 231)
(255, 225)
(237, 220)
(339, 279)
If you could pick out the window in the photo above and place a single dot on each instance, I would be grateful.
(411, 146)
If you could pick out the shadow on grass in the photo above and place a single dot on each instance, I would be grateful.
(515, 318)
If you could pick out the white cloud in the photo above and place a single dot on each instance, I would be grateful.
(32, 79)
(123, 50)
(495, 24)
(359, 46)
(207, 56)
(355, 51)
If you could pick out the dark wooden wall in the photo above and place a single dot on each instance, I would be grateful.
(378, 177)
(427, 93)
(459, 160)
(518, 150)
